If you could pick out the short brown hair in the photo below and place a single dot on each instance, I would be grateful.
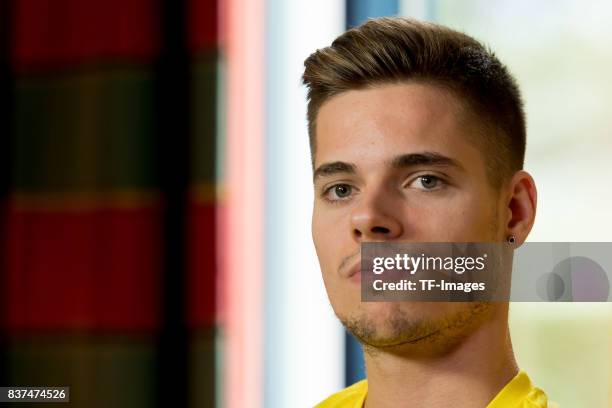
(395, 50)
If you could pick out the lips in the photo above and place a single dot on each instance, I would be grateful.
(355, 270)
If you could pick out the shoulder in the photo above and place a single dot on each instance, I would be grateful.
(520, 392)
(350, 397)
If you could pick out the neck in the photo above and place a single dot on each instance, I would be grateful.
(468, 375)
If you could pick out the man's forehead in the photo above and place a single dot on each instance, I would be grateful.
(383, 122)
(408, 100)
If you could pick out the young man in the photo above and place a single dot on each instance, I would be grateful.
(417, 134)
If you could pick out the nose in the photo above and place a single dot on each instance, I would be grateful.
(375, 220)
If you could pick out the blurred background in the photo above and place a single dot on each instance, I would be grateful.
(155, 194)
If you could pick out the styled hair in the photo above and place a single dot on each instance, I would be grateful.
(391, 50)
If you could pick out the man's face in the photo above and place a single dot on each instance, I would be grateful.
(395, 163)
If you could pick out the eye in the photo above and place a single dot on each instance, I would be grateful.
(338, 192)
(426, 182)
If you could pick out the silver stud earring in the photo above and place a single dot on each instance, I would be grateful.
(511, 239)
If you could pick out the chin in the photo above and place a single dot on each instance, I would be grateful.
(383, 324)
(384, 312)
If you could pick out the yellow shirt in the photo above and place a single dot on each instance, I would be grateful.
(518, 393)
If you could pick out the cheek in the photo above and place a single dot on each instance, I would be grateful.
(474, 221)
(318, 231)
(461, 218)
(324, 238)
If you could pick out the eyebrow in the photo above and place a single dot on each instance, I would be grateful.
(424, 158)
(333, 168)
(398, 162)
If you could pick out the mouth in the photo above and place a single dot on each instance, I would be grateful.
(355, 273)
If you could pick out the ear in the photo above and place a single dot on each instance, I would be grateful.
(521, 205)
